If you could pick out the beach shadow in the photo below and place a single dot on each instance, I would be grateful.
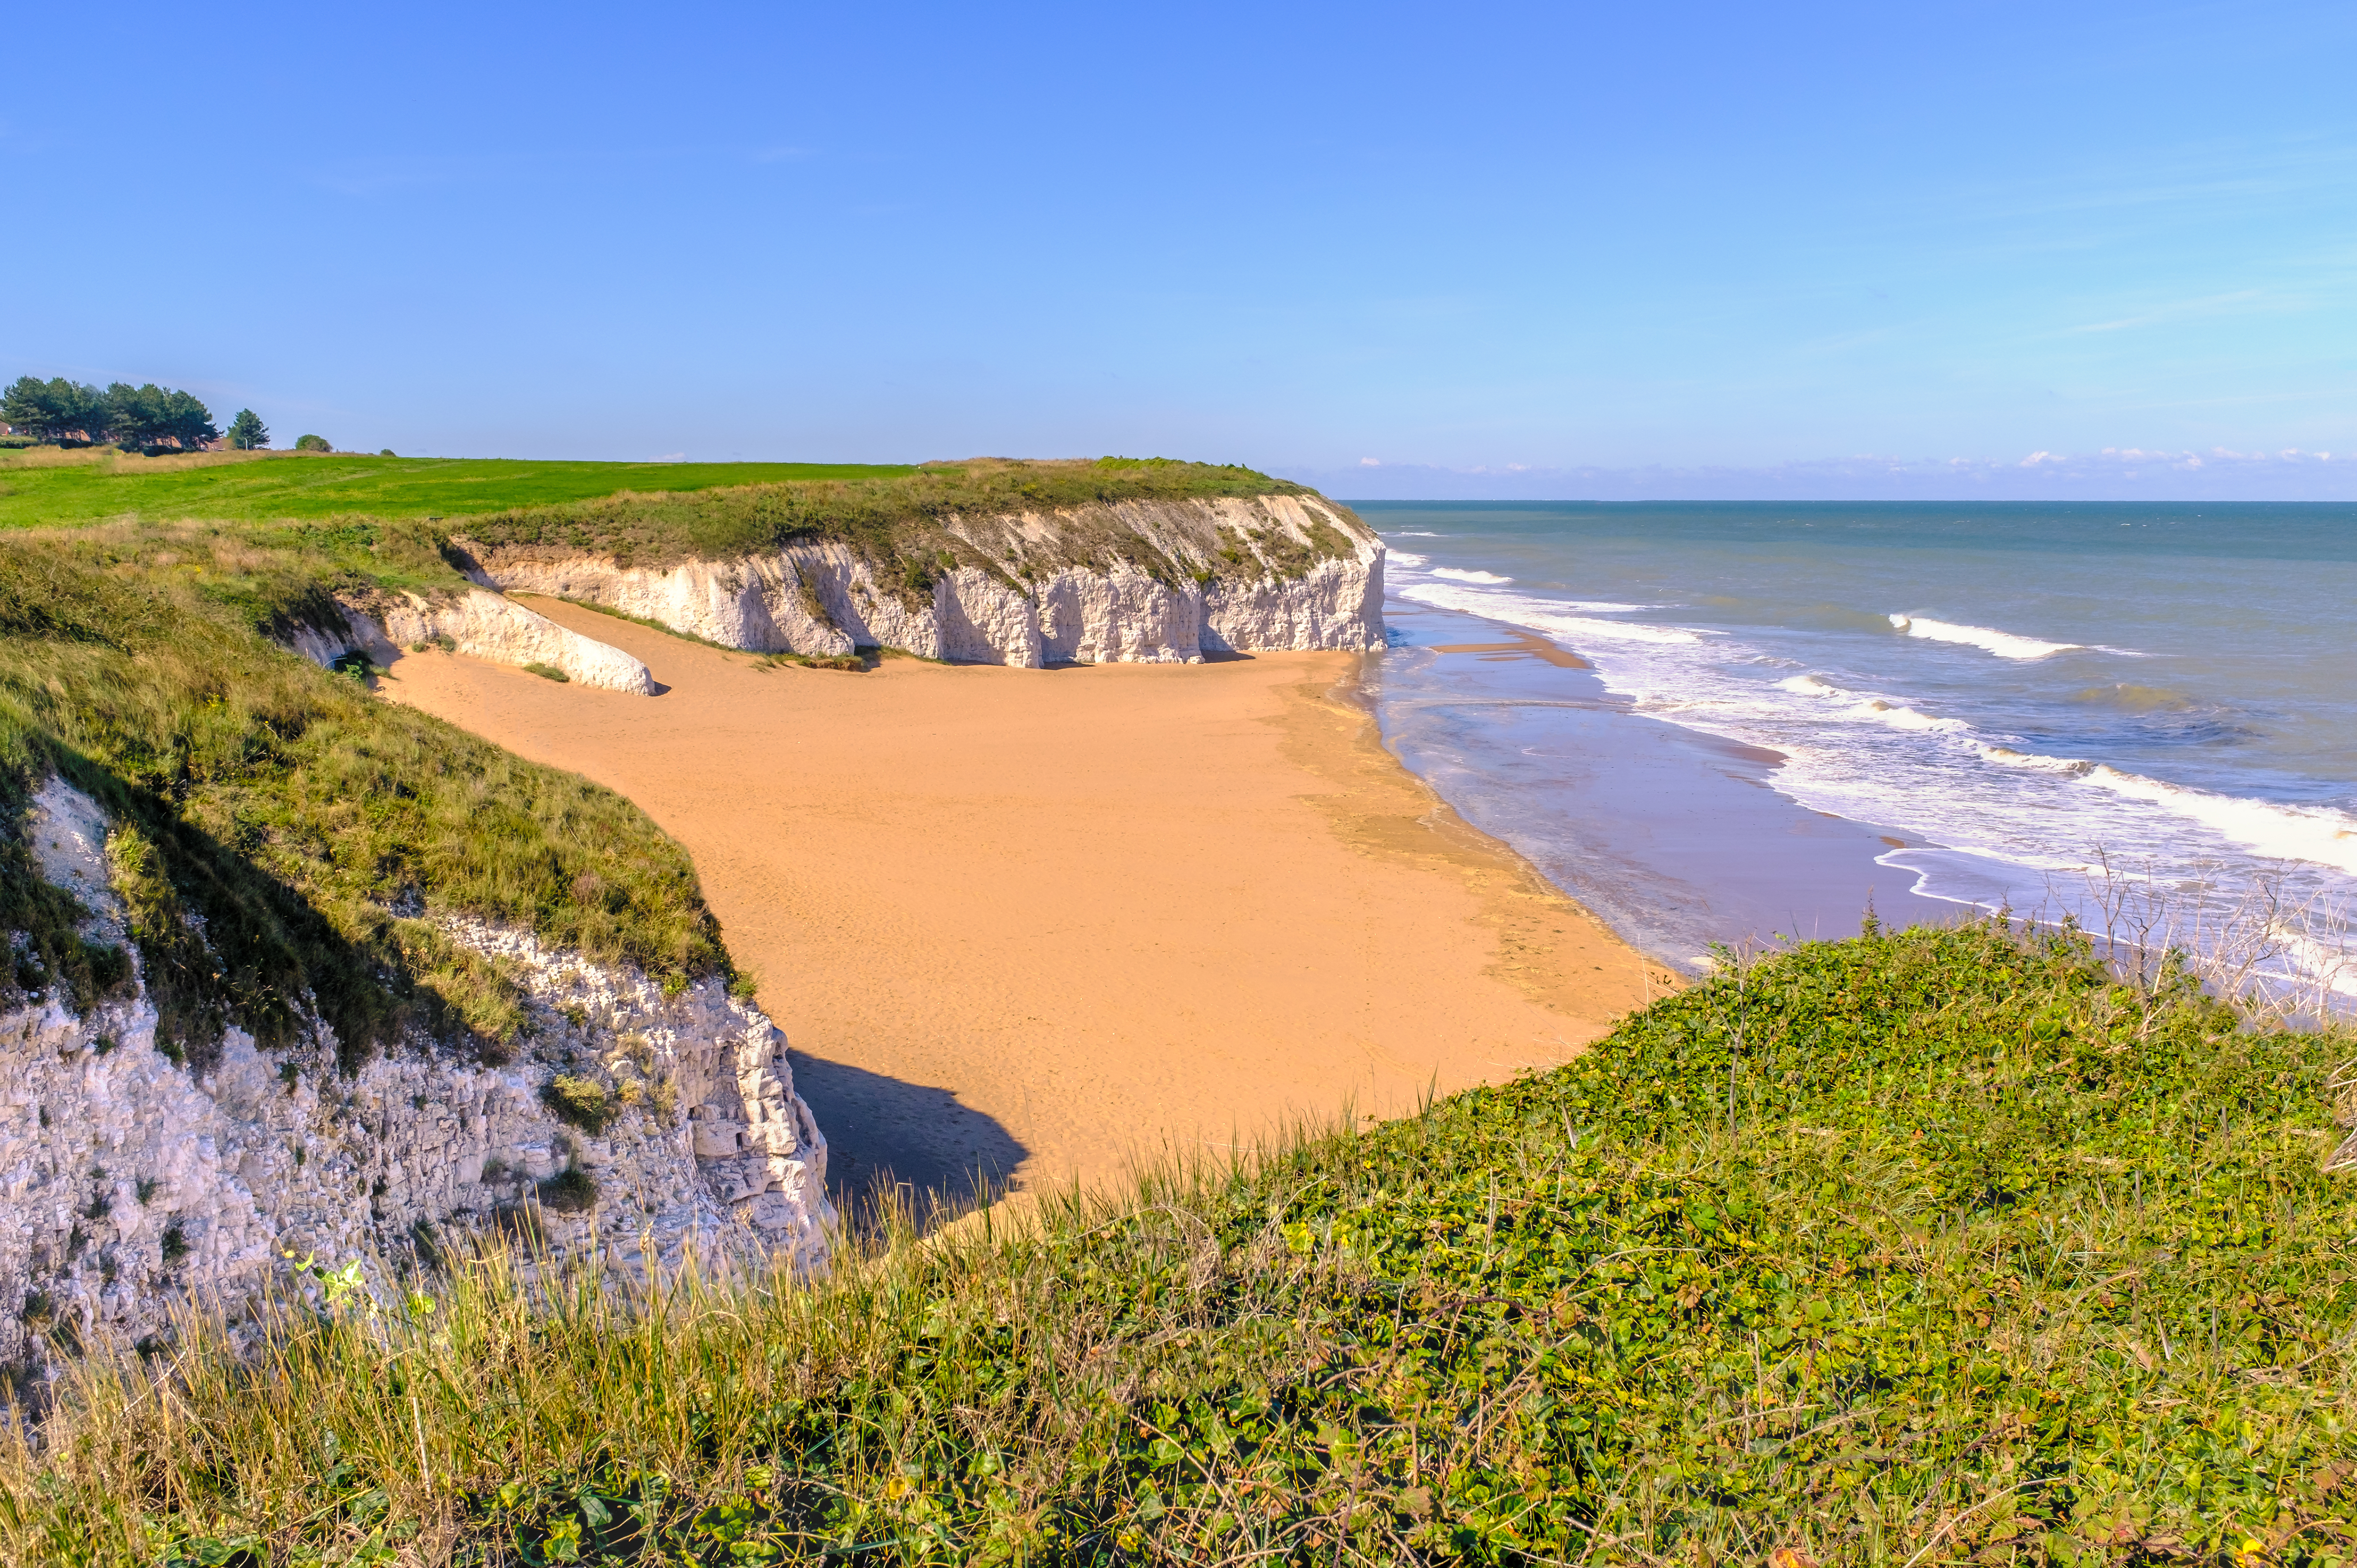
(883, 1134)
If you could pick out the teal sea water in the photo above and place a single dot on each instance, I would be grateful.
(1995, 696)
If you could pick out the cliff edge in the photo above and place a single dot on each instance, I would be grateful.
(1023, 565)
(296, 974)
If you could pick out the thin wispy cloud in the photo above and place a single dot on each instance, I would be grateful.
(2211, 305)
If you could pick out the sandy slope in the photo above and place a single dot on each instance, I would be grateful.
(1035, 923)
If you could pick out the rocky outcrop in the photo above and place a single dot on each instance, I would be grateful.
(634, 1122)
(482, 625)
(1154, 582)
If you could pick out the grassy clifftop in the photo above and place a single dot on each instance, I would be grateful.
(657, 514)
(285, 838)
(47, 488)
(886, 518)
(1925, 1248)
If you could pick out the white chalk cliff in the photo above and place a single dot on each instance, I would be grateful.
(1142, 581)
(129, 1182)
(482, 625)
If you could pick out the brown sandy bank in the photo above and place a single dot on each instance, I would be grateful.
(1036, 923)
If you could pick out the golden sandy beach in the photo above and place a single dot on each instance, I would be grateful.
(1035, 923)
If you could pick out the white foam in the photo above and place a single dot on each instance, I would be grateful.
(1403, 558)
(1898, 716)
(1461, 574)
(2070, 767)
(2317, 833)
(2004, 644)
(1540, 615)
(2333, 967)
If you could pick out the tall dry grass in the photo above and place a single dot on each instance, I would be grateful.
(125, 462)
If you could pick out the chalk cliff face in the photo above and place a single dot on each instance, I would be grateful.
(482, 625)
(128, 1181)
(1156, 582)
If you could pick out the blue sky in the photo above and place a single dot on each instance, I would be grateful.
(1394, 249)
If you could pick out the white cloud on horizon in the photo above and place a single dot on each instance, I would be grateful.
(2112, 474)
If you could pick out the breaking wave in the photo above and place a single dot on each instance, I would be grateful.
(2004, 644)
(2069, 767)
(1541, 615)
(1898, 716)
(2317, 833)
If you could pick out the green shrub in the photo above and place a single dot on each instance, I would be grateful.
(547, 672)
(570, 1191)
(583, 1101)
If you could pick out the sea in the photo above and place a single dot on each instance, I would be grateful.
(1748, 723)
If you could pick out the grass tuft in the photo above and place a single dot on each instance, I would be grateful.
(583, 1101)
(570, 1191)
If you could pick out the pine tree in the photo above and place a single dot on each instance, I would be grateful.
(55, 410)
(247, 432)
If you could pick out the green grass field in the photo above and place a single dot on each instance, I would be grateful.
(282, 485)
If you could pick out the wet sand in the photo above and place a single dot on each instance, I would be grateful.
(1027, 926)
(1677, 837)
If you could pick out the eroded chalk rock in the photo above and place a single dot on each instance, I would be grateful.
(482, 625)
(1152, 582)
(129, 1182)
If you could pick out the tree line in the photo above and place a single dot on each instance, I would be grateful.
(134, 418)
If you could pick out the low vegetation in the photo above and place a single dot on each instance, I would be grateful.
(46, 487)
(287, 841)
(885, 519)
(1928, 1247)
